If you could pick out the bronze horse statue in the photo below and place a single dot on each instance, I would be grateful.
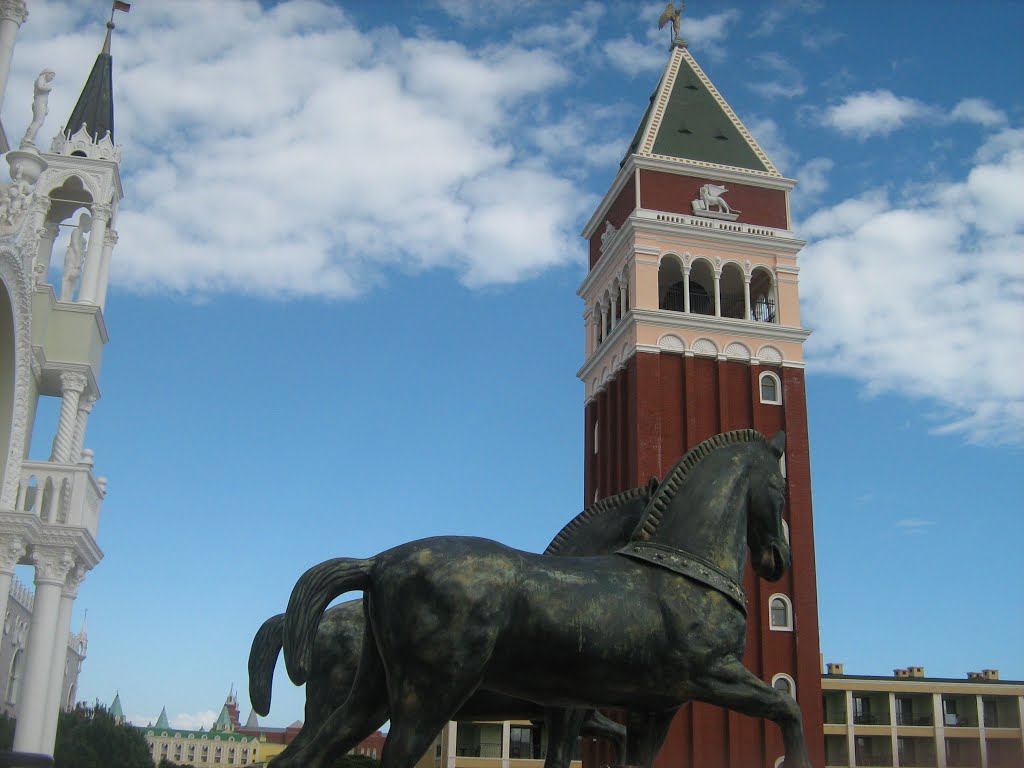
(601, 528)
(657, 624)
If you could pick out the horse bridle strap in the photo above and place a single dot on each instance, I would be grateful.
(689, 565)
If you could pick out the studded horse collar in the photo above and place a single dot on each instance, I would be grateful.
(689, 565)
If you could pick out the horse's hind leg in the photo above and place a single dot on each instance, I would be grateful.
(733, 686)
(365, 710)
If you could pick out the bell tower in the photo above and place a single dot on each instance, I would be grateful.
(692, 322)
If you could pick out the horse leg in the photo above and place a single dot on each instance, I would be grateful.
(563, 731)
(596, 725)
(646, 732)
(421, 707)
(365, 710)
(733, 686)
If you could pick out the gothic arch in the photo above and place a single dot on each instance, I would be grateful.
(15, 330)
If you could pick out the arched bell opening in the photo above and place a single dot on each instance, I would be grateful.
(762, 297)
(702, 288)
(730, 288)
(671, 284)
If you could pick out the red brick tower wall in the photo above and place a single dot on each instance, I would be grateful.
(652, 412)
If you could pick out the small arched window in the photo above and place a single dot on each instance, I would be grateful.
(783, 683)
(771, 388)
(780, 611)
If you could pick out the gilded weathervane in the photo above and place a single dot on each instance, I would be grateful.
(672, 14)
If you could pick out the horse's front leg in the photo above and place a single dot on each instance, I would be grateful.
(733, 686)
(563, 732)
(645, 735)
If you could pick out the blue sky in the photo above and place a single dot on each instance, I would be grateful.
(327, 338)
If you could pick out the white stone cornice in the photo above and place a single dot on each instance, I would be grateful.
(666, 318)
(74, 539)
(13, 10)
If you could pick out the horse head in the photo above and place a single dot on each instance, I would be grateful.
(766, 536)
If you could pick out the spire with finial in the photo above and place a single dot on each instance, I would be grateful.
(95, 107)
(161, 722)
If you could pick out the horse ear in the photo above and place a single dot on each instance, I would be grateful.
(652, 485)
(778, 443)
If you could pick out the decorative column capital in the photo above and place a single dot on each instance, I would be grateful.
(52, 567)
(87, 402)
(101, 211)
(74, 580)
(71, 381)
(110, 238)
(10, 553)
(13, 10)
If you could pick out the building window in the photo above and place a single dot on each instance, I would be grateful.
(771, 389)
(783, 683)
(781, 613)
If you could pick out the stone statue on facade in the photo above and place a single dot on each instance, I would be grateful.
(40, 106)
(671, 16)
(74, 256)
(710, 203)
(15, 198)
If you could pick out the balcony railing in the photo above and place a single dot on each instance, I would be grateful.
(60, 494)
(479, 750)
(869, 719)
(908, 718)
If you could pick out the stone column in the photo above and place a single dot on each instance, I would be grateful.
(52, 568)
(85, 405)
(686, 287)
(12, 15)
(718, 293)
(746, 297)
(60, 654)
(623, 298)
(72, 386)
(88, 292)
(109, 241)
(10, 553)
(506, 743)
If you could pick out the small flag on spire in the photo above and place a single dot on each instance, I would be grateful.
(120, 6)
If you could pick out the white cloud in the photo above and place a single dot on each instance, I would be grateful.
(814, 181)
(781, 10)
(193, 722)
(786, 80)
(708, 34)
(873, 113)
(284, 152)
(980, 112)
(769, 138)
(927, 297)
(633, 57)
(914, 525)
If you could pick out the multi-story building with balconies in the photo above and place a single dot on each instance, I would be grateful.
(912, 721)
(52, 335)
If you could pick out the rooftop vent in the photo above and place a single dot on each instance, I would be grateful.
(834, 668)
(916, 671)
(985, 674)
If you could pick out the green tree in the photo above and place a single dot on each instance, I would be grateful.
(89, 737)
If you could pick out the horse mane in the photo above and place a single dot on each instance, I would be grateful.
(651, 518)
(593, 511)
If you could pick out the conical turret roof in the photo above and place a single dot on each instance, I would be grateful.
(115, 708)
(95, 106)
(161, 722)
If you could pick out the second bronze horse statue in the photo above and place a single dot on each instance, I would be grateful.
(647, 629)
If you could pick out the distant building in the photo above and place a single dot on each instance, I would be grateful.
(507, 744)
(228, 742)
(912, 721)
(13, 649)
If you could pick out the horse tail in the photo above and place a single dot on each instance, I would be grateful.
(262, 660)
(313, 592)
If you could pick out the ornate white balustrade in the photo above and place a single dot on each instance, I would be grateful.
(704, 223)
(60, 494)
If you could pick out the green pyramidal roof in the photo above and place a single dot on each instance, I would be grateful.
(115, 708)
(161, 722)
(223, 720)
(687, 119)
